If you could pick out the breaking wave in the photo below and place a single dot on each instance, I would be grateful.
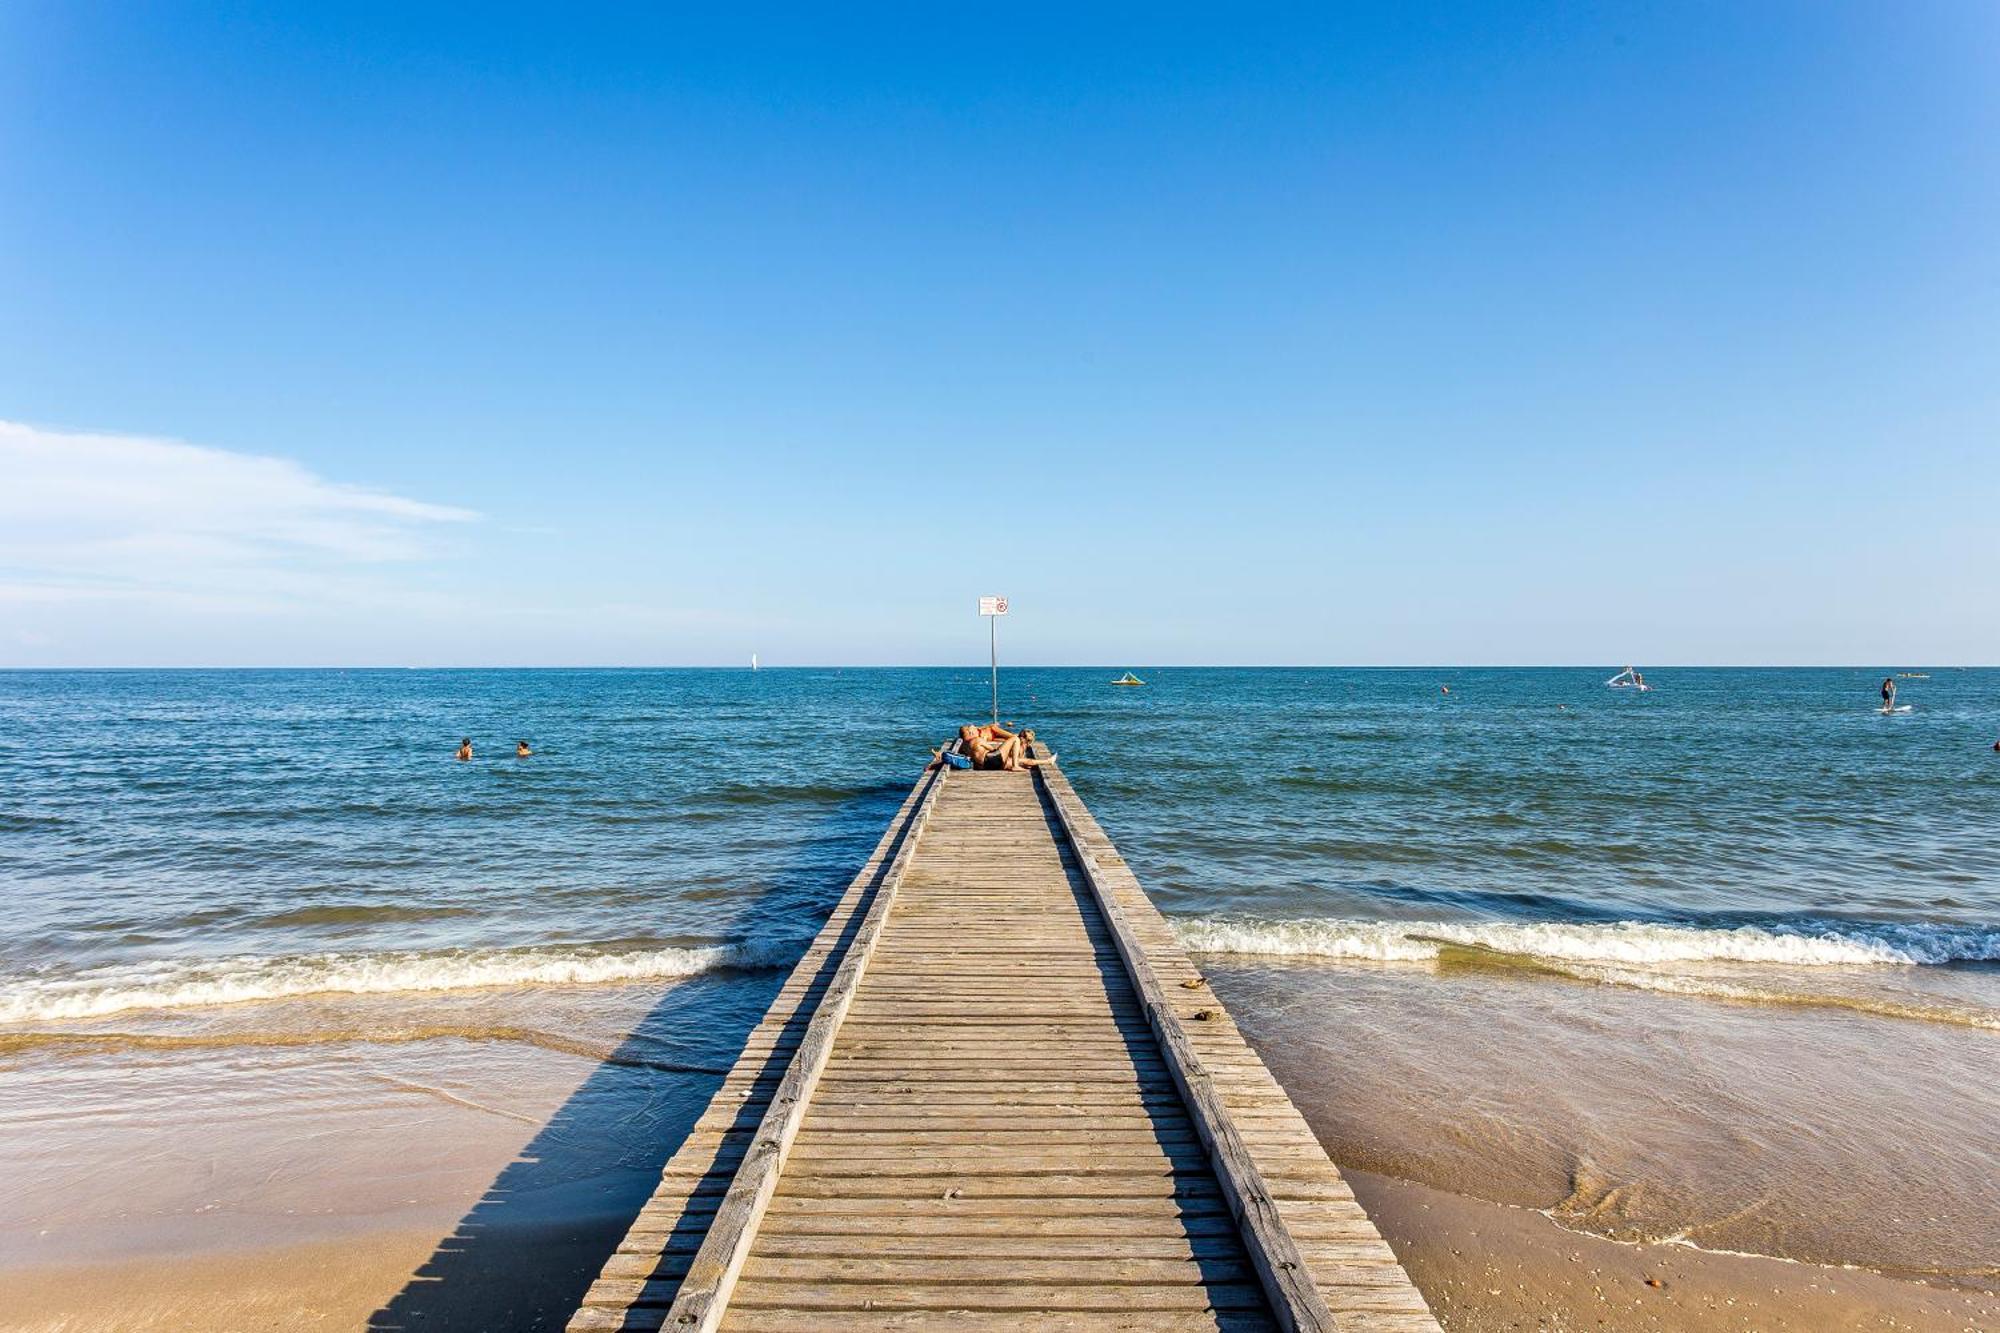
(1801, 944)
(193, 984)
(1638, 955)
(71, 1041)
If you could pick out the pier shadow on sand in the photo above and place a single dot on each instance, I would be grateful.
(521, 1260)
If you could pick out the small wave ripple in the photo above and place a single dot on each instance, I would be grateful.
(186, 984)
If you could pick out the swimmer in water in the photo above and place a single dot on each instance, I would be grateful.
(464, 749)
(1888, 693)
(1444, 689)
(521, 750)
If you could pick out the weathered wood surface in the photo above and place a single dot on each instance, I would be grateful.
(711, 1276)
(1296, 1302)
(1015, 1105)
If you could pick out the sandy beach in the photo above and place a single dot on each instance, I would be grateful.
(475, 1182)
(1482, 1266)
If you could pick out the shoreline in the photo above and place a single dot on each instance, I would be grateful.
(457, 1183)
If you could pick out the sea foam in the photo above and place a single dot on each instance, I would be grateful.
(186, 984)
(1800, 944)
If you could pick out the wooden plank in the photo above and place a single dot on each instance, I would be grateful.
(1307, 1190)
(683, 1205)
(1227, 1265)
(703, 1293)
(1012, 1321)
(999, 1296)
(1295, 1296)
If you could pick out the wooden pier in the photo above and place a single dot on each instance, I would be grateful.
(996, 1094)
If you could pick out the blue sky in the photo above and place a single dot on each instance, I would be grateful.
(1460, 333)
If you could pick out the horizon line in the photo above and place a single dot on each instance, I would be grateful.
(1038, 666)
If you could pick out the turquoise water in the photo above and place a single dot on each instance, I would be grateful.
(184, 839)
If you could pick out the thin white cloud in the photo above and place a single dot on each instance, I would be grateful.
(90, 517)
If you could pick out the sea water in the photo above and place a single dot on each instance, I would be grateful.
(1370, 859)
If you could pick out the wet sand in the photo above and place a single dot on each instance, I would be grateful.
(1820, 1135)
(457, 1162)
(460, 1172)
(1486, 1267)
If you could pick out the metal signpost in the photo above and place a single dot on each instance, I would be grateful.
(993, 608)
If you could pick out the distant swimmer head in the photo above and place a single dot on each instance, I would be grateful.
(465, 747)
(521, 750)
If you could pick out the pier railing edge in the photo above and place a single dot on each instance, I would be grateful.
(704, 1292)
(1296, 1300)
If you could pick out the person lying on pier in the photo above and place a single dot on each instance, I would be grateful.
(976, 745)
(993, 747)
